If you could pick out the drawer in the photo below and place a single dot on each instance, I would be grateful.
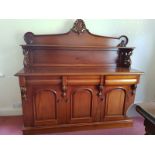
(40, 80)
(121, 80)
(83, 80)
(70, 80)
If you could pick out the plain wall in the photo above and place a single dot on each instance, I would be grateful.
(141, 34)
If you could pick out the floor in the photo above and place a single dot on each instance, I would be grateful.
(12, 125)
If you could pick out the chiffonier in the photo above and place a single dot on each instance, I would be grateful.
(76, 81)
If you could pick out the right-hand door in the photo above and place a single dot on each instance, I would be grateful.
(116, 98)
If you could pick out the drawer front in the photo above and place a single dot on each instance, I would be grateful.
(40, 80)
(70, 80)
(86, 80)
(121, 80)
(83, 80)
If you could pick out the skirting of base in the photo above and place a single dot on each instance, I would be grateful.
(77, 127)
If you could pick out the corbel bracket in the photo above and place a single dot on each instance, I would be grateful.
(100, 89)
(23, 94)
(26, 61)
(64, 88)
(133, 88)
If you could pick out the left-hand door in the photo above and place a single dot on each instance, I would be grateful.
(45, 102)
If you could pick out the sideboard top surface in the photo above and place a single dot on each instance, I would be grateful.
(79, 71)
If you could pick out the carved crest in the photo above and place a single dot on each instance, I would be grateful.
(79, 26)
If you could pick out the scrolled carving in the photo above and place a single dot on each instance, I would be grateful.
(100, 89)
(29, 38)
(26, 61)
(64, 93)
(23, 94)
(100, 94)
(133, 88)
(101, 97)
(64, 89)
(79, 26)
(124, 41)
(124, 59)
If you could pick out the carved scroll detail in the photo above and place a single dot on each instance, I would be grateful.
(124, 58)
(23, 94)
(79, 26)
(100, 89)
(64, 89)
(26, 61)
(124, 41)
(133, 88)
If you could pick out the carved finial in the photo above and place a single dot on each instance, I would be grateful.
(79, 26)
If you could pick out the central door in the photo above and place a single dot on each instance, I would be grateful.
(82, 104)
(116, 100)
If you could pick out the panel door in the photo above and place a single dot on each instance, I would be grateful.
(46, 107)
(82, 105)
(116, 99)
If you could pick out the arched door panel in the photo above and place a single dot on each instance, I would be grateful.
(115, 102)
(82, 102)
(45, 106)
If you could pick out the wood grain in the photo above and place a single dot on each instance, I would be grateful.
(76, 81)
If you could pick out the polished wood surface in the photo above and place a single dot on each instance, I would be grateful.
(75, 81)
(53, 56)
(78, 47)
(78, 71)
(79, 36)
(77, 127)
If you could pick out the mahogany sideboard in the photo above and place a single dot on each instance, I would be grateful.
(76, 81)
